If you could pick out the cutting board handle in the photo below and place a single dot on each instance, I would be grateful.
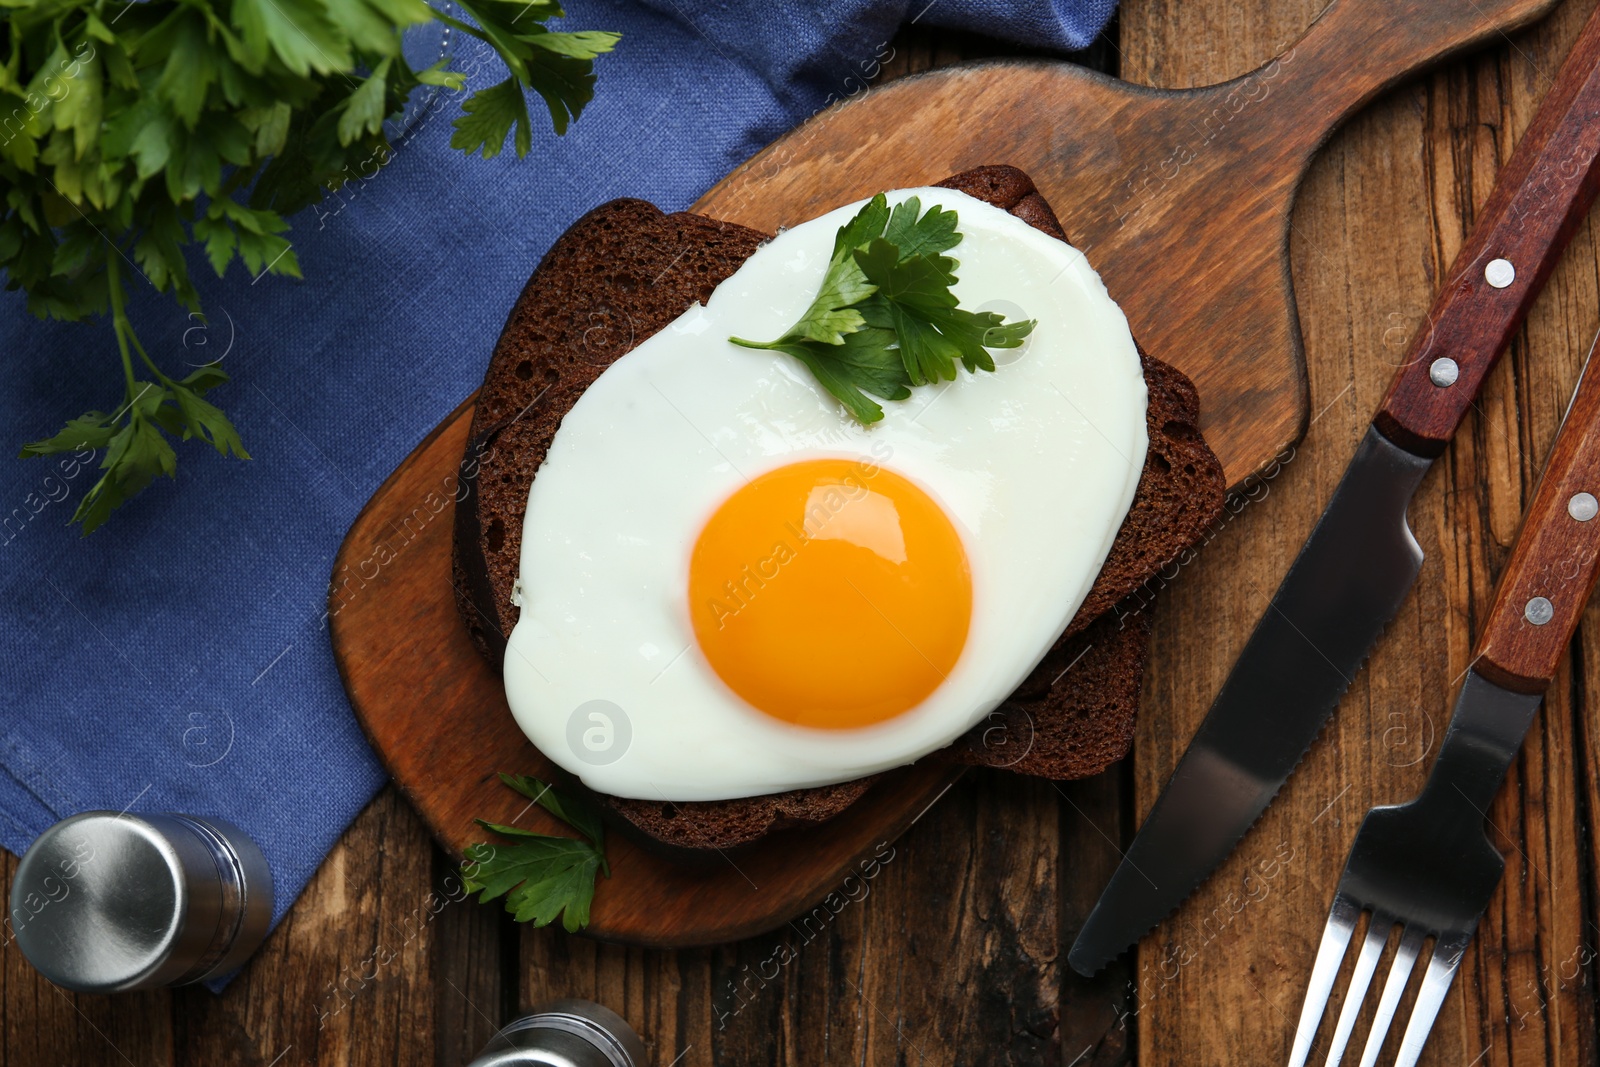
(1182, 199)
(1541, 197)
(1357, 48)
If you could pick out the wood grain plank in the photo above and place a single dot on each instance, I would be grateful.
(940, 947)
(345, 979)
(1099, 1018)
(1380, 216)
(474, 955)
(1195, 998)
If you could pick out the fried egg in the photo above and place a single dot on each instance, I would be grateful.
(729, 587)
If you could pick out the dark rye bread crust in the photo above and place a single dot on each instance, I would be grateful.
(624, 271)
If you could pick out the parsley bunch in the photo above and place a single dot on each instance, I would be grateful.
(885, 319)
(541, 877)
(132, 132)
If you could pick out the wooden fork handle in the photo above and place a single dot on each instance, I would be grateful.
(1540, 199)
(1553, 565)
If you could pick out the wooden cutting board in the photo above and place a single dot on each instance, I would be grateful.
(1181, 199)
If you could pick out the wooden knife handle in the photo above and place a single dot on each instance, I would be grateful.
(1556, 559)
(1539, 200)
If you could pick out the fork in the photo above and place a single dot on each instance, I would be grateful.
(1428, 866)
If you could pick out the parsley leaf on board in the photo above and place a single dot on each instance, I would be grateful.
(885, 319)
(134, 133)
(542, 877)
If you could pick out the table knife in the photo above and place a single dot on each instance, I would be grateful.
(1361, 559)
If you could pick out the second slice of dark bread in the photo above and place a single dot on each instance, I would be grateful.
(624, 271)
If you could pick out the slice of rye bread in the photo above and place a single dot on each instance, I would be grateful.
(624, 271)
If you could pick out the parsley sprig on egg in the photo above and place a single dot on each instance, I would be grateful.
(885, 319)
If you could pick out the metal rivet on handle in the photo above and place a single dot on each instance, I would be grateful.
(1539, 611)
(1500, 273)
(1443, 372)
(1583, 506)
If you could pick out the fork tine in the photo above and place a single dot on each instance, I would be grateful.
(1405, 957)
(1335, 939)
(1435, 984)
(1366, 964)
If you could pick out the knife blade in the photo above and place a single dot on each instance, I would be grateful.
(1360, 561)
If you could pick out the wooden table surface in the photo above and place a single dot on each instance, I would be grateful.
(955, 952)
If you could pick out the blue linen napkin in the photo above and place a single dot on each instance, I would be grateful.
(177, 658)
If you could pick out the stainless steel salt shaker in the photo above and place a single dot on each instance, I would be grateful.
(105, 902)
(565, 1033)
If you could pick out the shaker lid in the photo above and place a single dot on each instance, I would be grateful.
(566, 1033)
(104, 902)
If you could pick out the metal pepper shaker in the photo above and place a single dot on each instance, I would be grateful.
(105, 902)
(565, 1033)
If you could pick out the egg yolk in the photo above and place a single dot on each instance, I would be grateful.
(831, 593)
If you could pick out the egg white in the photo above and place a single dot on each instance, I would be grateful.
(1035, 463)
